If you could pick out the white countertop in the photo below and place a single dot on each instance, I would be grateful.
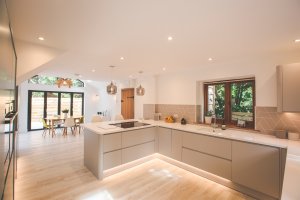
(291, 180)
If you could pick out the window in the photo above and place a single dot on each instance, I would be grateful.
(231, 101)
(48, 80)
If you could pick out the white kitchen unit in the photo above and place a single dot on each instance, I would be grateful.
(288, 93)
(242, 161)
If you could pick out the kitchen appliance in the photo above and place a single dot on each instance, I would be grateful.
(183, 121)
(130, 124)
(157, 116)
(282, 134)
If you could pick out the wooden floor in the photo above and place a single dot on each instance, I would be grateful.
(52, 168)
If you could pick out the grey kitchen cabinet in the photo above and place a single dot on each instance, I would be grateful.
(257, 167)
(212, 164)
(207, 144)
(139, 136)
(164, 141)
(112, 142)
(136, 152)
(112, 159)
(288, 93)
(176, 145)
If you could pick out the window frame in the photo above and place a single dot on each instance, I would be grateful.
(227, 110)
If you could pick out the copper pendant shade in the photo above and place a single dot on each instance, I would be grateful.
(111, 89)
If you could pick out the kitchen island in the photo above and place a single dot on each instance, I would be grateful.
(248, 162)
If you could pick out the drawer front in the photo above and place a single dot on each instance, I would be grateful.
(112, 159)
(214, 165)
(112, 142)
(139, 136)
(206, 144)
(133, 153)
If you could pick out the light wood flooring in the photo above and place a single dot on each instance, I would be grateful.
(52, 168)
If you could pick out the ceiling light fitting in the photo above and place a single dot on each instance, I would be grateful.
(140, 91)
(64, 82)
(41, 38)
(111, 89)
(297, 41)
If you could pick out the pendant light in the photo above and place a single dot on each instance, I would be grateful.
(140, 91)
(111, 89)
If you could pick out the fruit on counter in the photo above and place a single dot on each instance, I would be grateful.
(170, 119)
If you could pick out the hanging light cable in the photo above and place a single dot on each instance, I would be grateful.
(140, 91)
(111, 89)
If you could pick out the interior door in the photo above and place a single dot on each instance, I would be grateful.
(127, 103)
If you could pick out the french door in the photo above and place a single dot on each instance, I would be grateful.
(42, 104)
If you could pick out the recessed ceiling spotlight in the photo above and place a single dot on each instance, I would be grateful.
(41, 38)
(164, 69)
(122, 58)
(93, 70)
(170, 38)
(210, 59)
(297, 41)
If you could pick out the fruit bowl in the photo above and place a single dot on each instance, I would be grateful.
(170, 119)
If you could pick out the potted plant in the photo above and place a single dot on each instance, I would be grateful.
(208, 117)
(65, 111)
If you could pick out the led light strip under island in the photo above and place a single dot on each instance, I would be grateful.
(251, 163)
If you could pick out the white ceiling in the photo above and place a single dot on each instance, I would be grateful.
(96, 33)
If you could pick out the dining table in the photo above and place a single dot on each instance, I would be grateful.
(51, 120)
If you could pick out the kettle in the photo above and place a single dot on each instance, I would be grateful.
(183, 121)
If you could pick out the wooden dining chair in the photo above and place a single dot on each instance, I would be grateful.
(69, 123)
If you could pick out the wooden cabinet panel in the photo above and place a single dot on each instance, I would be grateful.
(288, 88)
(257, 167)
(139, 151)
(215, 165)
(112, 159)
(131, 138)
(176, 145)
(164, 141)
(112, 142)
(206, 144)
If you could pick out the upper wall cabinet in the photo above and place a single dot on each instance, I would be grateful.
(288, 88)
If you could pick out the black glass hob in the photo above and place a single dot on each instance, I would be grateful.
(130, 124)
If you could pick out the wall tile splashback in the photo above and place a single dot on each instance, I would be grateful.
(268, 120)
(190, 112)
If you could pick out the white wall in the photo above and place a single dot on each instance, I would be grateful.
(181, 87)
(91, 100)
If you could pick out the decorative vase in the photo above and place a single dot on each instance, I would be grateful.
(65, 115)
(208, 120)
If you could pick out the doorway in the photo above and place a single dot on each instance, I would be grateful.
(127, 103)
(42, 104)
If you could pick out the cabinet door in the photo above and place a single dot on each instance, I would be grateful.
(140, 136)
(139, 151)
(164, 141)
(288, 88)
(176, 145)
(218, 166)
(206, 144)
(112, 142)
(112, 159)
(256, 167)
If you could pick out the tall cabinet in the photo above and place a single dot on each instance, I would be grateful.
(8, 108)
(288, 92)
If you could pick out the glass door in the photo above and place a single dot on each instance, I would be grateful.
(52, 104)
(77, 104)
(37, 109)
(65, 100)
